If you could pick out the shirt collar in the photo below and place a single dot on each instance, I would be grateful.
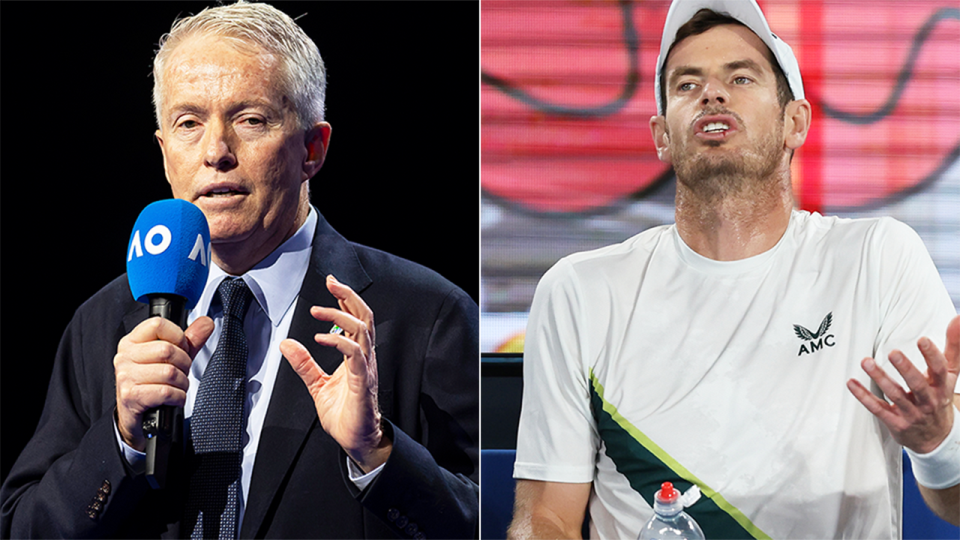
(270, 279)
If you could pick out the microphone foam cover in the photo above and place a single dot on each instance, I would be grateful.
(169, 252)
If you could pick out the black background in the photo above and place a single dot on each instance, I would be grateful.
(79, 159)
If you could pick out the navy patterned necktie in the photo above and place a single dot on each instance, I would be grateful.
(216, 425)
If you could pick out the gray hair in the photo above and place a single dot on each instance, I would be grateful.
(302, 75)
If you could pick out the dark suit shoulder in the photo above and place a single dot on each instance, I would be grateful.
(112, 301)
(403, 275)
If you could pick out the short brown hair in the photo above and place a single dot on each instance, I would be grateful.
(704, 20)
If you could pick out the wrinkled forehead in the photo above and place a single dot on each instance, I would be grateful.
(217, 60)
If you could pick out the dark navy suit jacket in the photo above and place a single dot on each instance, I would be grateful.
(72, 481)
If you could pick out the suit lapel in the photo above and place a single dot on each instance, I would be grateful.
(291, 414)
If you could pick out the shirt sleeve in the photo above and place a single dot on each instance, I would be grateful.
(914, 302)
(135, 458)
(557, 438)
(358, 477)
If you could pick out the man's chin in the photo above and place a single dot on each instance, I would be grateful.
(704, 166)
(225, 237)
(227, 240)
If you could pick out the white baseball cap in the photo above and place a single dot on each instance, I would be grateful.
(745, 11)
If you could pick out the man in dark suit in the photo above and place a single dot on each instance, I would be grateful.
(385, 444)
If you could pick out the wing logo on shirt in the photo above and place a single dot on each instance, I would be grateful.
(814, 341)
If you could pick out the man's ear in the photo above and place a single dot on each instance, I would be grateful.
(661, 139)
(317, 140)
(796, 123)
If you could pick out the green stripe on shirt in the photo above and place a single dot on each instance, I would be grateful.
(646, 466)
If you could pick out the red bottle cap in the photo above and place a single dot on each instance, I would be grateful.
(667, 493)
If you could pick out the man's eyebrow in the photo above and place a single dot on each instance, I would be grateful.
(176, 109)
(682, 71)
(184, 107)
(746, 63)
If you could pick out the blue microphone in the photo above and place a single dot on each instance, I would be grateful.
(168, 260)
(168, 254)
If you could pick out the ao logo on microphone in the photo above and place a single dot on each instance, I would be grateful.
(169, 251)
(158, 239)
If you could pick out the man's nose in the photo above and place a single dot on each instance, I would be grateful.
(714, 92)
(220, 145)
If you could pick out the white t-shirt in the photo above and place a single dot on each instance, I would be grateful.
(646, 362)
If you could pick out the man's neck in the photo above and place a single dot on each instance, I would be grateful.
(735, 226)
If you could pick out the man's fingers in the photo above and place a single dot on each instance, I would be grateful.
(160, 374)
(350, 301)
(353, 354)
(154, 329)
(937, 369)
(154, 352)
(149, 396)
(302, 363)
(952, 351)
(341, 292)
(197, 334)
(863, 395)
(343, 319)
(159, 340)
(353, 327)
(890, 388)
(916, 381)
(151, 367)
(878, 407)
(151, 385)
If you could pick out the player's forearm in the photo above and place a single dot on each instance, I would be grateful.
(945, 503)
(549, 509)
(527, 527)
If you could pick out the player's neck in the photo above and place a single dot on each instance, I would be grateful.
(737, 225)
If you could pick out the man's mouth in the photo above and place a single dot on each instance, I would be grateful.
(222, 190)
(221, 193)
(715, 127)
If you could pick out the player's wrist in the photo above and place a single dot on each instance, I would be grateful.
(372, 455)
(939, 468)
(127, 435)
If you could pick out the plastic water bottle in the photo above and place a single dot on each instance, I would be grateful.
(669, 521)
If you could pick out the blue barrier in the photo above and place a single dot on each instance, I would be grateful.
(496, 492)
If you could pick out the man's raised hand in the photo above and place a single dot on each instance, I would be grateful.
(919, 418)
(346, 400)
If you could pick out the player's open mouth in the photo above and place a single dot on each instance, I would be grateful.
(715, 127)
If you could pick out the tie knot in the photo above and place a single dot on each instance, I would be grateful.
(235, 297)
